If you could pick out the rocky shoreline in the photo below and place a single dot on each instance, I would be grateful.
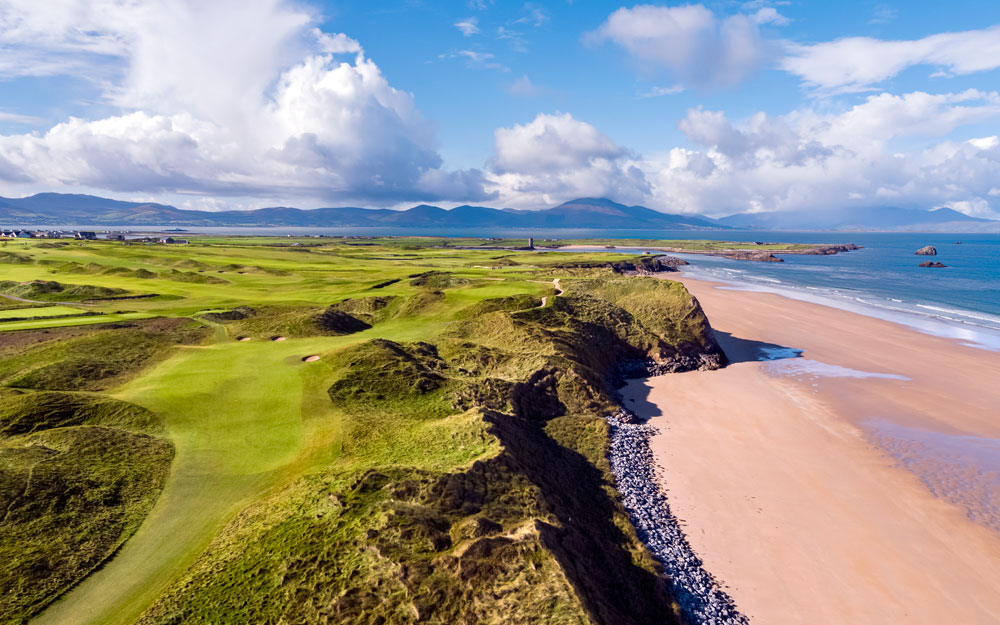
(700, 596)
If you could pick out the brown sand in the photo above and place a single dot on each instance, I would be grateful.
(277, 338)
(784, 497)
(310, 358)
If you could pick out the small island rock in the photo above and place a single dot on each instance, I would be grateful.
(931, 263)
(927, 250)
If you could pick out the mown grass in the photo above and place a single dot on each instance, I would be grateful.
(443, 461)
(39, 311)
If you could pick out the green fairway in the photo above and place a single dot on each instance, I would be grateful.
(42, 311)
(244, 417)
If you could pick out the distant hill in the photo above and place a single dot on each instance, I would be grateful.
(877, 218)
(57, 209)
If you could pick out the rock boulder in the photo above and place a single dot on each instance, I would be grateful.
(927, 250)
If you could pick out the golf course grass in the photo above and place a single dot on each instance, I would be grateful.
(450, 394)
(244, 418)
(44, 311)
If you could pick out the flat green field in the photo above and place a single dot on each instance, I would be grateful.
(62, 322)
(216, 336)
(44, 311)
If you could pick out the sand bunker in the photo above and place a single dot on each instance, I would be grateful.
(310, 359)
(277, 338)
(243, 338)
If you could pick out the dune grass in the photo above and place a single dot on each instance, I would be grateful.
(78, 474)
(442, 460)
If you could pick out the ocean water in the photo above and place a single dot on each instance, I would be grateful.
(882, 280)
(961, 468)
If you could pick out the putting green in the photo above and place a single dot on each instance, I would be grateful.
(245, 417)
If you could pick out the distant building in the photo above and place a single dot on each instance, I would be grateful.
(531, 243)
(173, 241)
(85, 235)
(24, 234)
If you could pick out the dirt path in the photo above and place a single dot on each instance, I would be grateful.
(545, 298)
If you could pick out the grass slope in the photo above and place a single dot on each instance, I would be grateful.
(77, 476)
(443, 461)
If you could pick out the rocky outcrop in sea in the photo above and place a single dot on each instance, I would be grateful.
(927, 250)
(700, 596)
(760, 257)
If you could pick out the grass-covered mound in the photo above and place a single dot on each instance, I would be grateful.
(473, 485)
(436, 280)
(78, 474)
(288, 321)
(371, 309)
(14, 257)
(71, 359)
(192, 277)
(643, 264)
(666, 309)
(52, 291)
(510, 304)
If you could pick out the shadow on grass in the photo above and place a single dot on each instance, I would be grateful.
(591, 548)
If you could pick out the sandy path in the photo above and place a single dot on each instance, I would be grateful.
(545, 298)
(786, 500)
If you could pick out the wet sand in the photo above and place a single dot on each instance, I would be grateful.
(796, 476)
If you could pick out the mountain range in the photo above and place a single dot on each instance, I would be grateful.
(58, 209)
(855, 218)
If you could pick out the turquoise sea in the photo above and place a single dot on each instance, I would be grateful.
(961, 301)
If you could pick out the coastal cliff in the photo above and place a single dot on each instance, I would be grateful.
(532, 530)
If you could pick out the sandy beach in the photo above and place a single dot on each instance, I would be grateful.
(845, 479)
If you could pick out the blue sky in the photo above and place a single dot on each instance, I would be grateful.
(600, 84)
(712, 108)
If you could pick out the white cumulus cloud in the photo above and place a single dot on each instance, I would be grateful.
(688, 41)
(557, 157)
(225, 98)
(809, 160)
(859, 63)
(770, 15)
(802, 160)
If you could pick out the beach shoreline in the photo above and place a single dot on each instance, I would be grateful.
(823, 475)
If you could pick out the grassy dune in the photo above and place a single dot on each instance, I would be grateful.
(78, 474)
(442, 460)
